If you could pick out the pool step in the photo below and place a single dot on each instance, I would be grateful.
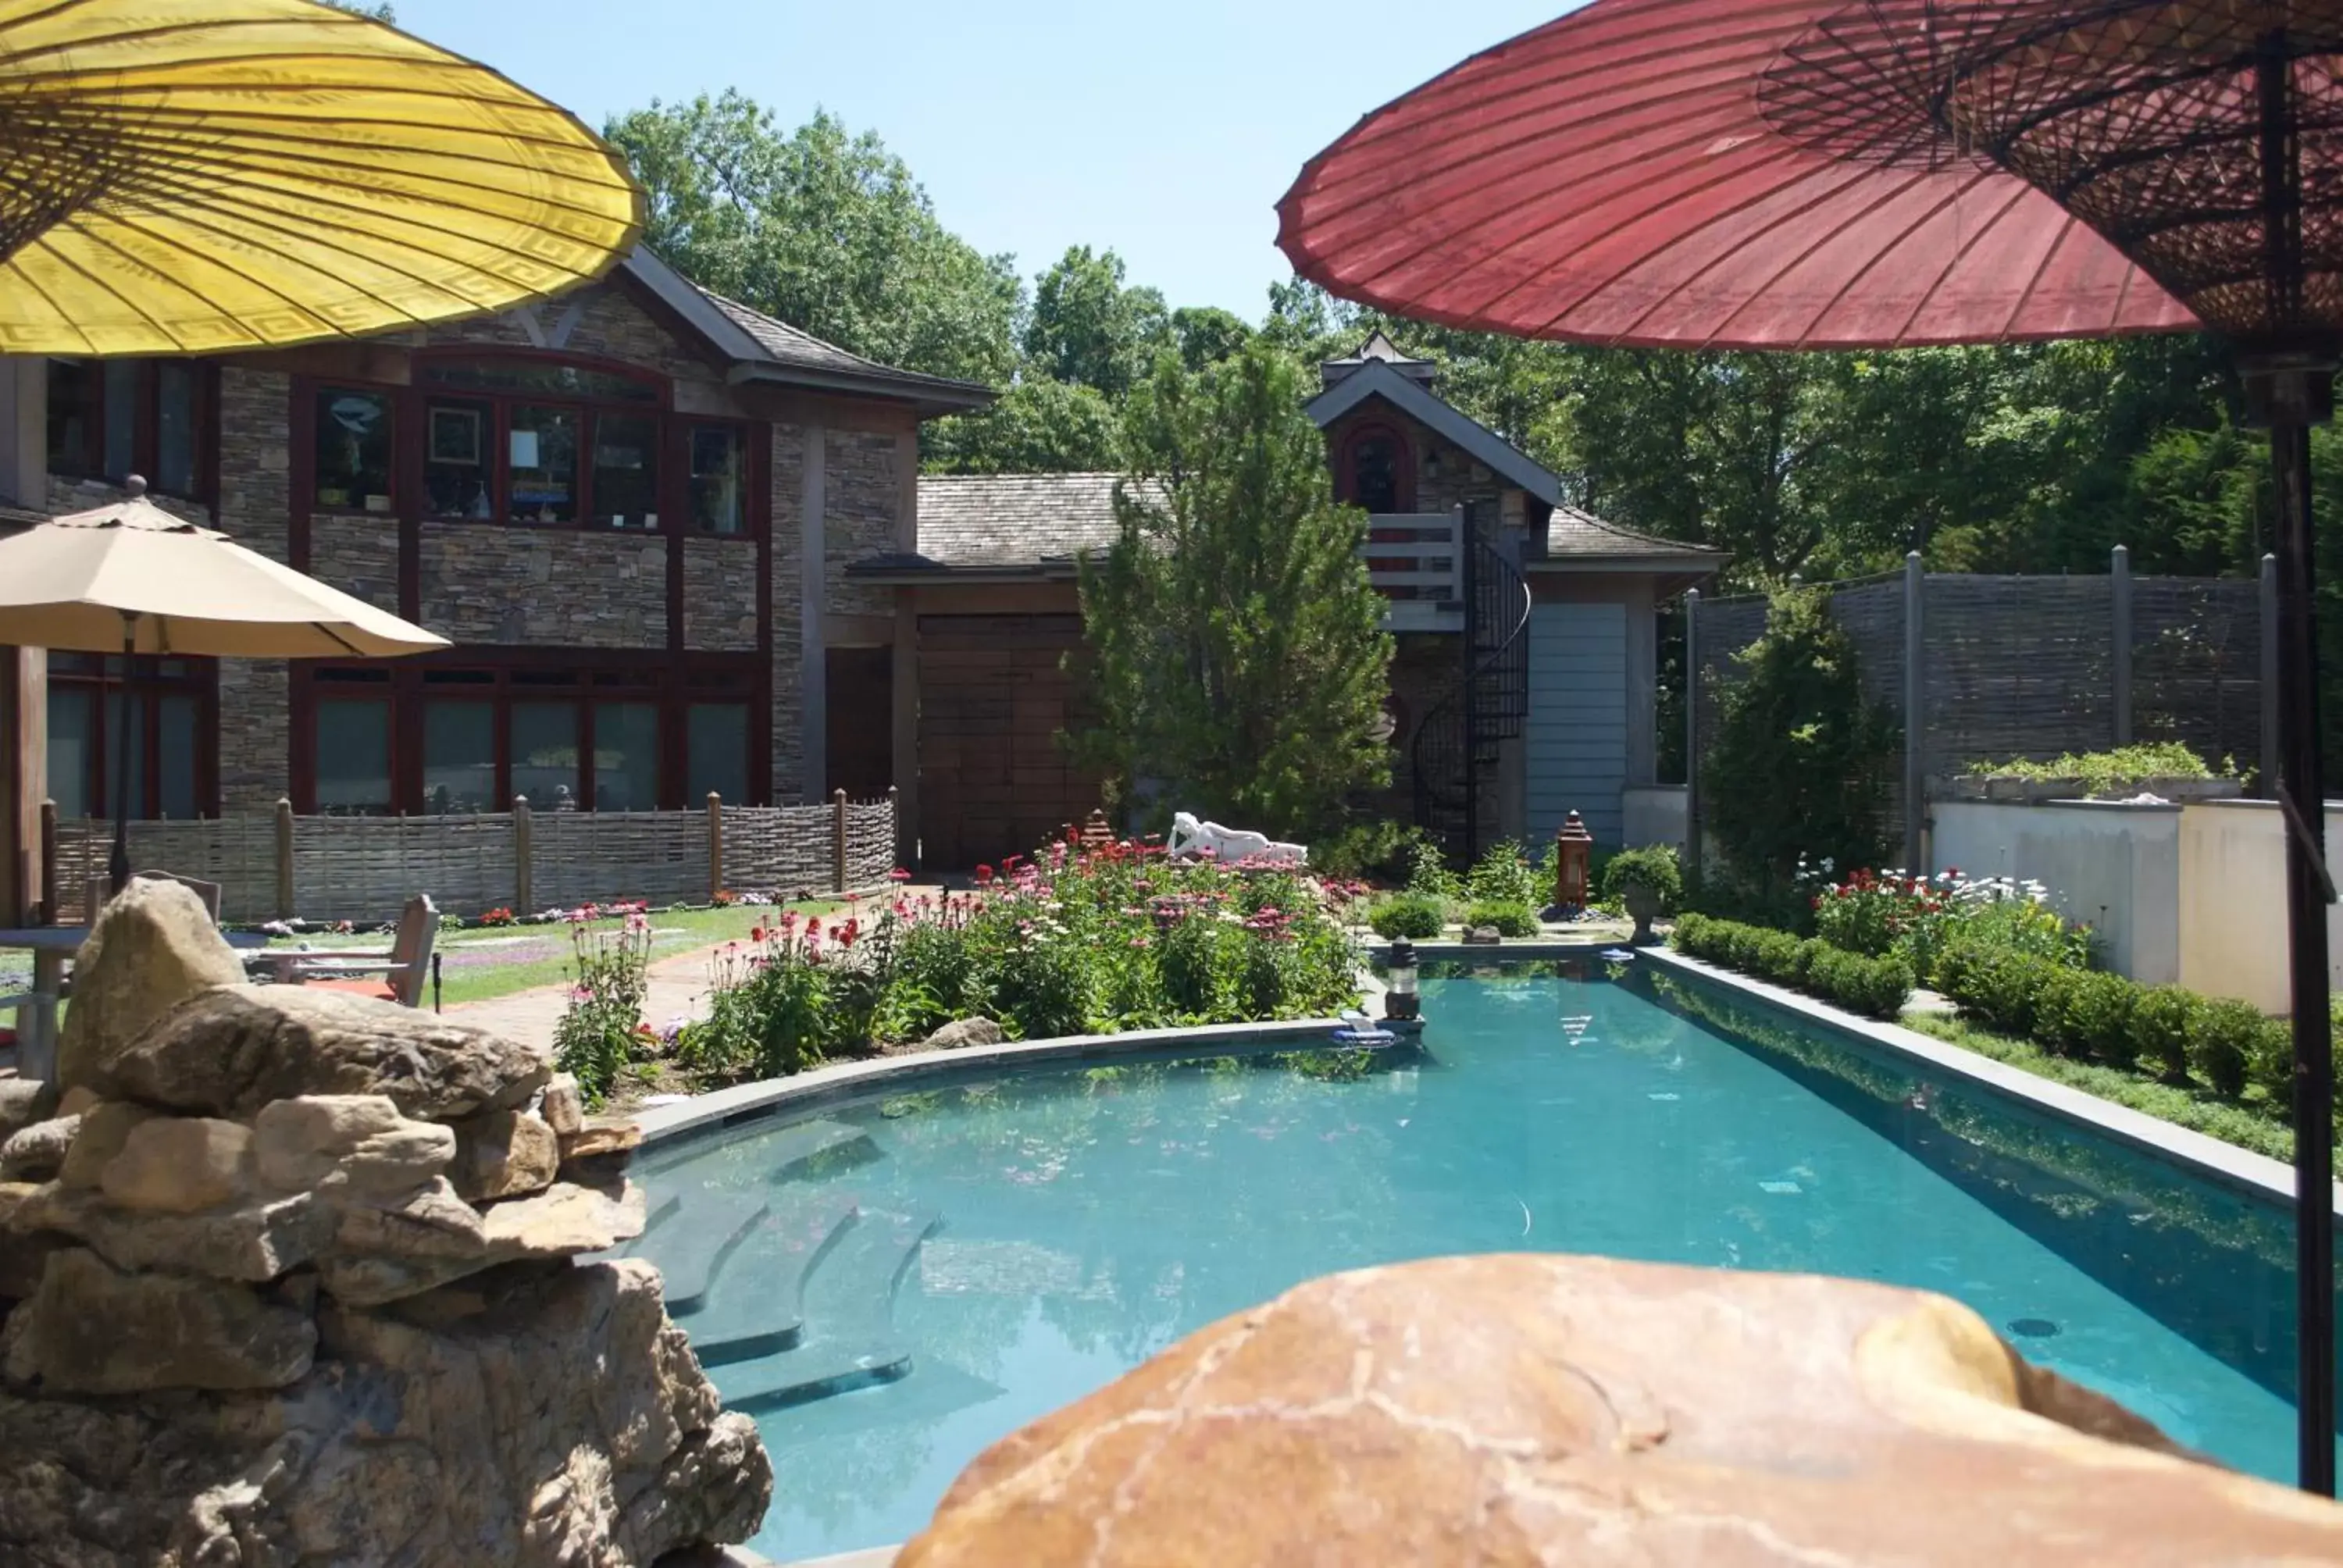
(927, 1391)
(690, 1245)
(758, 1306)
(813, 1149)
(846, 1342)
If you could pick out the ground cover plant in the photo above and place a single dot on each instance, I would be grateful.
(2123, 770)
(1071, 941)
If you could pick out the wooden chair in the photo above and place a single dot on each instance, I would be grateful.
(403, 966)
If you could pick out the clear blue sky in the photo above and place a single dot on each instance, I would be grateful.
(1165, 131)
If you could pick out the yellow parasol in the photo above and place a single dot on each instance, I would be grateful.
(204, 176)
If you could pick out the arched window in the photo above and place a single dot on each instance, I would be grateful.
(1375, 471)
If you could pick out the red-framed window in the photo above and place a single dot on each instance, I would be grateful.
(1374, 468)
(568, 729)
(528, 440)
(173, 729)
(111, 418)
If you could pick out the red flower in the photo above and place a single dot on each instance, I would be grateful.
(984, 875)
(756, 933)
(899, 875)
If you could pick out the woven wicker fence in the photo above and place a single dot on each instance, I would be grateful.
(2031, 667)
(363, 868)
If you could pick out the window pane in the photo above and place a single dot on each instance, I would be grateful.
(716, 752)
(353, 759)
(544, 467)
(73, 418)
(717, 491)
(70, 753)
(1375, 474)
(626, 757)
(138, 780)
(545, 754)
(456, 468)
(176, 758)
(626, 471)
(121, 418)
(175, 428)
(354, 449)
(459, 757)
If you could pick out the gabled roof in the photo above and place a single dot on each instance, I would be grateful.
(1378, 349)
(1381, 378)
(757, 348)
(1576, 537)
(1004, 525)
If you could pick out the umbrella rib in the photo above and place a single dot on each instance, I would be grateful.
(1961, 253)
(63, 314)
(2025, 295)
(99, 283)
(123, 220)
(163, 110)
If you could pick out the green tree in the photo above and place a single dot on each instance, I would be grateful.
(1235, 649)
(1037, 427)
(379, 12)
(1208, 335)
(1801, 758)
(1087, 326)
(822, 229)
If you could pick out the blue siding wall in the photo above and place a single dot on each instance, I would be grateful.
(1577, 730)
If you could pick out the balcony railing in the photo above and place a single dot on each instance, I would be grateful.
(1415, 561)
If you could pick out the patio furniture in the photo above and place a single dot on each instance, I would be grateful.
(402, 967)
(53, 948)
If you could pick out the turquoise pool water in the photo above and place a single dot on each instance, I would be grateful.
(891, 1286)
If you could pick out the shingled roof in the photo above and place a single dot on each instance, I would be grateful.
(1005, 524)
(1572, 535)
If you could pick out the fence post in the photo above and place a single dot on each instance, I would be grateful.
(894, 817)
(2267, 781)
(2119, 581)
(285, 903)
(523, 902)
(1692, 729)
(838, 837)
(48, 910)
(1915, 707)
(714, 845)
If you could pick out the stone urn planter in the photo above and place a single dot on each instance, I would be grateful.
(1644, 905)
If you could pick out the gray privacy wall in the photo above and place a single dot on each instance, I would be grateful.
(1577, 731)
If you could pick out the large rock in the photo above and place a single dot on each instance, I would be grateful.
(234, 1048)
(1504, 1410)
(37, 1152)
(101, 1133)
(180, 1165)
(151, 949)
(24, 1101)
(556, 1419)
(92, 1329)
(963, 1032)
(255, 1241)
(505, 1154)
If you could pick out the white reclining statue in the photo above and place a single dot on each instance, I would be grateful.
(1227, 845)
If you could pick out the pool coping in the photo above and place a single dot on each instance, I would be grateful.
(2224, 1164)
(844, 1080)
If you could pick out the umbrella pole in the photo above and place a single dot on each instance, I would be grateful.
(117, 869)
(2299, 390)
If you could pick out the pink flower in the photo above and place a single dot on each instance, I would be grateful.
(899, 875)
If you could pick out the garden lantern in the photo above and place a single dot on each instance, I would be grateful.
(1573, 850)
(1400, 1000)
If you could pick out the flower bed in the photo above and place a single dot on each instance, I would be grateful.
(1073, 942)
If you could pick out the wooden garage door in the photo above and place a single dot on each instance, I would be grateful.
(993, 780)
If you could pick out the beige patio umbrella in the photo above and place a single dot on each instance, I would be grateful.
(132, 577)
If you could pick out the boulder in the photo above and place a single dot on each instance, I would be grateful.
(105, 1129)
(256, 1240)
(37, 1152)
(564, 1104)
(963, 1032)
(298, 1143)
(1485, 936)
(92, 1329)
(76, 1099)
(234, 1048)
(564, 1220)
(179, 1165)
(151, 948)
(560, 1422)
(1523, 1410)
(601, 1137)
(23, 1102)
(504, 1154)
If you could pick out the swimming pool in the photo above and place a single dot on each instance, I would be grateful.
(890, 1285)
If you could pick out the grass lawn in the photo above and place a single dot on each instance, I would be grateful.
(2253, 1122)
(477, 963)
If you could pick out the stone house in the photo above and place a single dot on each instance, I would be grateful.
(631, 508)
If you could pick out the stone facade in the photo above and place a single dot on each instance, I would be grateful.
(561, 587)
(1446, 477)
(862, 493)
(788, 612)
(358, 555)
(720, 595)
(256, 493)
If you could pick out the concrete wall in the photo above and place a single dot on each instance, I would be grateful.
(2232, 913)
(2114, 868)
(1652, 814)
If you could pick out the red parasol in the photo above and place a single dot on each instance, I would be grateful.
(1820, 174)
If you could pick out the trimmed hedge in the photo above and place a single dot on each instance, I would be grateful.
(2224, 1044)
(1416, 915)
(1510, 918)
(1875, 986)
